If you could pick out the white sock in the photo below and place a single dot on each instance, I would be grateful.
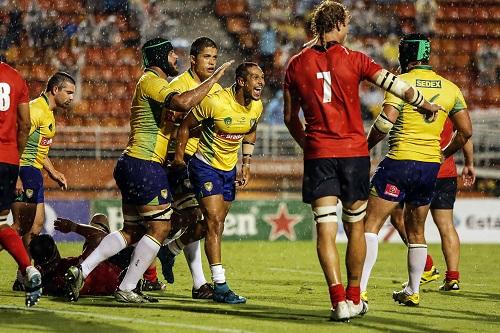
(142, 257)
(109, 246)
(218, 275)
(417, 255)
(176, 246)
(370, 259)
(192, 253)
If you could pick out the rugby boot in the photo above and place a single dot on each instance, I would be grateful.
(138, 290)
(123, 296)
(403, 298)
(223, 294)
(357, 310)
(206, 291)
(167, 260)
(427, 276)
(33, 286)
(152, 286)
(74, 283)
(341, 312)
(364, 296)
(452, 285)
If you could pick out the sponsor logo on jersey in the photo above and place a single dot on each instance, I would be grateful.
(230, 136)
(45, 141)
(208, 186)
(392, 190)
(428, 83)
(228, 121)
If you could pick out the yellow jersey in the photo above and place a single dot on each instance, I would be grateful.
(43, 129)
(412, 136)
(148, 136)
(224, 124)
(180, 84)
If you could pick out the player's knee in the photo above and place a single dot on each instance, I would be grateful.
(354, 215)
(325, 214)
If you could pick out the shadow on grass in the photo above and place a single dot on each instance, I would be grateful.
(52, 322)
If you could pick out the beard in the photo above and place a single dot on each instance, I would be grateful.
(171, 70)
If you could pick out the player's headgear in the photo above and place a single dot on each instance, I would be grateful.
(155, 53)
(43, 249)
(413, 47)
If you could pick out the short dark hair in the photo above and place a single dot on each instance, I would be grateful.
(242, 69)
(58, 79)
(200, 43)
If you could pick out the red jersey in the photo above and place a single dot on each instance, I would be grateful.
(13, 91)
(327, 86)
(448, 168)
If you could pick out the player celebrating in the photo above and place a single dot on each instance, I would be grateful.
(139, 172)
(203, 57)
(323, 80)
(408, 173)
(228, 118)
(14, 130)
(29, 210)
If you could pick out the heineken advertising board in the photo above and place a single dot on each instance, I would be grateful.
(247, 220)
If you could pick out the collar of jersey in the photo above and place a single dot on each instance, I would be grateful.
(46, 99)
(422, 67)
(152, 71)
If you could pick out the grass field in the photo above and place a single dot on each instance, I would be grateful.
(286, 293)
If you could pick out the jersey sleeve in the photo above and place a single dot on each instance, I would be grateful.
(392, 100)
(206, 108)
(35, 118)
(157, 89)
(367, 67)
(459, 102)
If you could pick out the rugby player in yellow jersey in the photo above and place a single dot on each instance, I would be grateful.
(29, 211)
(139, 172)
(203, 58)
(228, 119)
(408, 172)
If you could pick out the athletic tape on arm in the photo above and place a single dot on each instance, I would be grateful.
(398, 87)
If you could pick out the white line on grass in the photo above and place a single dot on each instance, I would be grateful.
(126, 319)
(276, 269)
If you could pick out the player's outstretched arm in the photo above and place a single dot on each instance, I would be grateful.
(468, 172)
(87, 231)
(291, 108)
(463, 126)
(393, 84)
(382, 125)
(187, 124)
(188, 99)
(57, 176)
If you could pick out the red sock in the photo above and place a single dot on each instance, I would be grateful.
(452, 275)
(11, 242)
(353, 294)
(150, 274)
(337, 294)
(428, 263)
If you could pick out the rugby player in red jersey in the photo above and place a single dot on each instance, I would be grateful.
(14, 130)
(323, 80)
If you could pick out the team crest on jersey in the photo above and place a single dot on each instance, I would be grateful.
(208, 186)
(392, 190)
(164, 193)
(29, 193)
(228, 121)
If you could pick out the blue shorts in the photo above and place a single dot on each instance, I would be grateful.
(142, 182)
(406, 181)
(207, 180)
(179, 179)
(8, 179)
(32, 179)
